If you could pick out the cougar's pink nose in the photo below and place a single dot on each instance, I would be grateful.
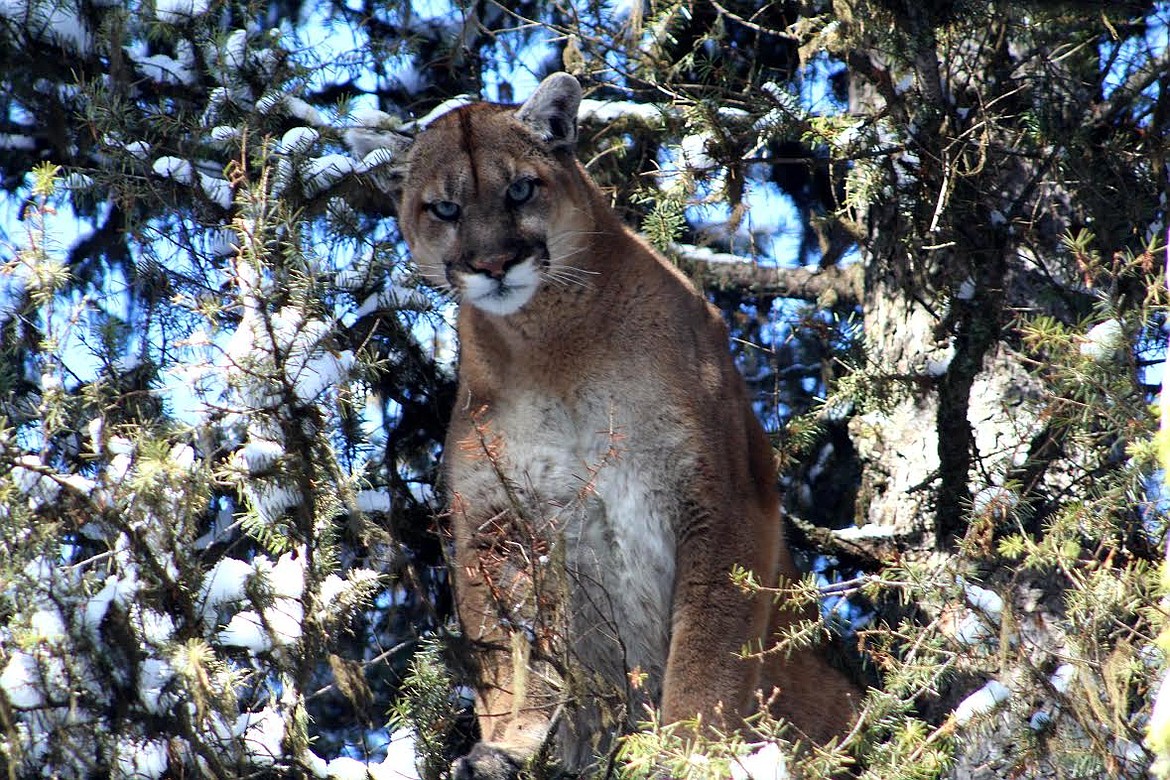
(495, 265)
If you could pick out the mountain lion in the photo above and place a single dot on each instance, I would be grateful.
(604, 468)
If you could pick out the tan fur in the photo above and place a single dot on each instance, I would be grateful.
(604, 466)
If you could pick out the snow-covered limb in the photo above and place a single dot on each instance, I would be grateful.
(612, 110)
(298, 140)
(375, 132)
(260, 454)
(445, 107)
(214, 188)
(395, 297)
(164, 69)
(867, 531)
(18, 140)
(722, 270)
(786, 110)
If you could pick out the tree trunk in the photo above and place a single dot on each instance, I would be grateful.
(959, 436)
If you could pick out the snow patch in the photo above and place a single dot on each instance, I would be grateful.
(321, 372)
(49, 625)
(994, 500)
(225, 583)
(157, 628)
(351, 279)
(1160, 717)
(260, 455)
(981, 702)
(270, 500)
(401, 762)
(217, 190)
(1063, 677)
(694, 152)
(26, 678)
(153, 677)
(83, 485)
(321, 173)
(1103, 341)
(117, 590)
(39, 488)
(298, 140)
(163, 69)
(334, 589)
(14, 141)
(374, 501)
(223, 134)
(174, 168)
(867, 531)
(52, 21)
(303, 111)
(280, 626)
(281, 103)
(77, 181)
(263, 732)
(245, 630)
(234, 49)
(183, 456)
(938, 365)
(139, 759)
(765, 763)
(987, 601)
(345, 768)
(179, 11)
(287, 575)
(137, 149)
(222, 243)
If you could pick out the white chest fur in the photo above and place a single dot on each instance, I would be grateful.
(603, 477)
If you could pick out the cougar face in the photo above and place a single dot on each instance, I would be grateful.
(478, 207)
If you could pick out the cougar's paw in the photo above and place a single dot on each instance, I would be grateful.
(487, 762)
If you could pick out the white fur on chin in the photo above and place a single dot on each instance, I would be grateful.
(502, 296)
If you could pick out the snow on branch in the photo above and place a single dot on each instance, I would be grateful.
(828, 286)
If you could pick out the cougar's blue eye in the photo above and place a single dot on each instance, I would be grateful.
(521, 191)
(445, 210)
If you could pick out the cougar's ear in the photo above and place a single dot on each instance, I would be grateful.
(552, 111)
(384, 153)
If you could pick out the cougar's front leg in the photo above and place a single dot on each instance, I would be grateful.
(712, 618)
(508, 612)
